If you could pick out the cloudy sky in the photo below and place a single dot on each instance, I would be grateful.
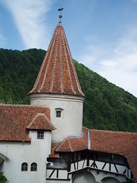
(102, 34)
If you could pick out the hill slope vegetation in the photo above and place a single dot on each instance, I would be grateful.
(106, 106)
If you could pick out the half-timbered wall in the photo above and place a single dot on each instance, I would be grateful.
(102, 166)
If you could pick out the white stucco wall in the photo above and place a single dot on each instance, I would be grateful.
(79, 171)
(37, 151)
(101, 175)
(70, 123)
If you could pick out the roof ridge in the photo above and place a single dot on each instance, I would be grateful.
(68, 67)
(38, 115)
(72, 64)
(23, 105)
(110, 131)
(43, 64)
(61, 65)
(35, 117)
(54, 65)
(41, 68)
(69, 144)
(59, 145)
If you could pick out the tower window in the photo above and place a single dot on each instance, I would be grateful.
(40, 135)
(24, 167)
(58, 114)
(34, 167)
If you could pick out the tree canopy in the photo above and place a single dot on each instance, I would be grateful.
(3, 179)
(106, 106)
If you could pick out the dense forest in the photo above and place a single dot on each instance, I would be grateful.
(106, 106)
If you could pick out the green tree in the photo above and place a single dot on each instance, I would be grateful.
(106, 106)
(3, 179)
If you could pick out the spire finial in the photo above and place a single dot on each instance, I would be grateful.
(60, 16)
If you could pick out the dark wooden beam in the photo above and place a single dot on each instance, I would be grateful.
(51, 173)
(83, 163)
(116, 168)
(104, 165)
(110, 167)
(58, 179)
(57, 173)
(94, 165)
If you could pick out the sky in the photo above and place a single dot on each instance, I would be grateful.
(102, 34)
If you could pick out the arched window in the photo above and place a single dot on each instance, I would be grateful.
(34, 167)
(24, 166)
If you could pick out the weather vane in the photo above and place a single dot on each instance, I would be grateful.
(60, 16)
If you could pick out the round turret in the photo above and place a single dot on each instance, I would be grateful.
(57, 86)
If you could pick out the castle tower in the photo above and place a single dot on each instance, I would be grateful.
(57, 86)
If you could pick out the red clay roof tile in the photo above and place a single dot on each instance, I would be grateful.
(53, 154)
(40, 122)
(121, 143)
(74, 144)
(57, 74)
(14, 120)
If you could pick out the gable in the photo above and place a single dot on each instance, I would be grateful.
(14, 120)
(40, 122)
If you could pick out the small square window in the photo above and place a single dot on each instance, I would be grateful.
(58, 114)
(40, 135)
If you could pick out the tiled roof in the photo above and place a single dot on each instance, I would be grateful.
(121, 143)
(74, 144)
(53, 154)
(57, 74)
(14, 119)
(41, 122)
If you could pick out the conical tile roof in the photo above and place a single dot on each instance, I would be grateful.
(57, 74)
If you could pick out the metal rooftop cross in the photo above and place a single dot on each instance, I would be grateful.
(60, 16)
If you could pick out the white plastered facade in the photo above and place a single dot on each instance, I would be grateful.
(82, 174)
(17, 153)
(70, 122)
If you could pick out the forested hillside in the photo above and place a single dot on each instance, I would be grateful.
(106, 106)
